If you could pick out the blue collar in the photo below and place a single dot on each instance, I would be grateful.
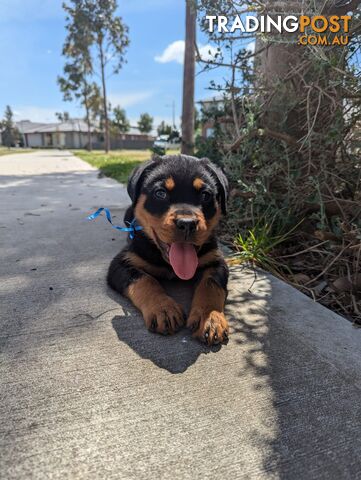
(131, 228)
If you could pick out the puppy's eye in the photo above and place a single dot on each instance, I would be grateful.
(161, 194)
(205, 196)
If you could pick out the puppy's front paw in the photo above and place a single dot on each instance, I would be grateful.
(165, 316)
(210, 327)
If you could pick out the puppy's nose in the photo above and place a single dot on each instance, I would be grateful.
(186, 225)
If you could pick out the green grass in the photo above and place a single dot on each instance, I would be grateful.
(117, 164)
(257, 247)
(7, 151)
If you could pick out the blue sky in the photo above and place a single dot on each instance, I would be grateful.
(31, 38)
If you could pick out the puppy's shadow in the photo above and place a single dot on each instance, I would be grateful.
(175, 353)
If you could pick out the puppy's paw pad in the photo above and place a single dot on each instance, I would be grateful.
(209, 327)
(166, 317)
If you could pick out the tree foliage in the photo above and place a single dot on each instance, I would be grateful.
(145, 123)
(164, 128)
(10, 134)
(197, 120)
(120, 121)
(287, 132)
(62, 116)
(95, 46)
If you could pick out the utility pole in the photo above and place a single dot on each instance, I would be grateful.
(173, 113)
(188, 79)
(172, 105)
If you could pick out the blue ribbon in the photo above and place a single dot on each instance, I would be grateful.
(132, 226)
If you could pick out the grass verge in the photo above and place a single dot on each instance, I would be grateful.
(7, 151)
(117, 164)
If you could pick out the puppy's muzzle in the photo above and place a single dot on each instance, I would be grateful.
(186, 226)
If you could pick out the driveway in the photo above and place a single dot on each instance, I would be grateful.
(88, 393)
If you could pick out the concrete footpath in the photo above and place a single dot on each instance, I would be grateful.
(87, 393)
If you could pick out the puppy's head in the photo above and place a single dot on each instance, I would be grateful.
(178, 200)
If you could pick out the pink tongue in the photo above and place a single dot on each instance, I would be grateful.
(184, 260)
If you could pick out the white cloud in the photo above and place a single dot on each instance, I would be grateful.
(207, 52)
(128, 99)
(175, 52)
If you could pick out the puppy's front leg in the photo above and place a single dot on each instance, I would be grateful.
(206, 318)
(160, 312)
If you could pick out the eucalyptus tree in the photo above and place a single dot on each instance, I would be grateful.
(76, 81)
(110, 38)
(164, 128)
(120, 122)
(76, 84)
(9, 131)
(96, 43)
(145, 123)
(62, 116)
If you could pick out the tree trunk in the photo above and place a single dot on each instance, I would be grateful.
(296, 104)
(275, 65)
(88, 122)
(188, 80)
(105, 103)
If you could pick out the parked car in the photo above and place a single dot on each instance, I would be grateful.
(166, 142)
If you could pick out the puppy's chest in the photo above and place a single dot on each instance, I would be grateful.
(148, 258)
(162, 273)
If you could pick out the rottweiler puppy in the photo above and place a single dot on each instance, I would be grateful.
(178, 201)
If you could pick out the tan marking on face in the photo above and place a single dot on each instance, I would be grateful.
(152, 224)
(169, 184)
(164, 227)
(202, 227)
(198, 183)
(211, 224)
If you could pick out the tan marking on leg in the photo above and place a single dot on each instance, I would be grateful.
(206, 318)
(141, 264)
(160, 312)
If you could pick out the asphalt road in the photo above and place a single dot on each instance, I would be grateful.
(87, 393)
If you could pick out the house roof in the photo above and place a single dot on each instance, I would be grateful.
(74, 125)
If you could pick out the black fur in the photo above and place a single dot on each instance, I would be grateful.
(222, 182)
(121, 274)
(147, 179)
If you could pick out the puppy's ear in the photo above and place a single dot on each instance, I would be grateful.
(222, 182)
(137, 178)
